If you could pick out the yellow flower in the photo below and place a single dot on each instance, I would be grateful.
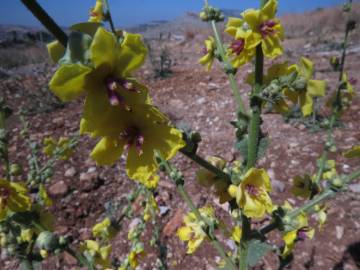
(142, 131)
(100, 254)
(135, 255)
(311, 89)
(43, 253)
(303, 186)
(104, 230)
(44, 196)
(192, 232)
(242, 48)
(26, 235)
(209, 53)
(13, 198)
(152, 182)
(236, 234)
(347, 92)
(107, 83)
(252, 193)
(97, 12)
(266, 29)
(353, 152)
(300, 231)
(209, 179)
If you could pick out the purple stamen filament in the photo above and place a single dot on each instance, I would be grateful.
(301, 234)
(267, 28)
(252, 190)
(113, 85)
(237, 46)
(204, 51)
(133, 137)
(353, 81)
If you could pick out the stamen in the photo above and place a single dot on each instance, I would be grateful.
(237, 46)
(267, 28)
(252, 190)
(133, 137)
(301, 234)
(204, 51)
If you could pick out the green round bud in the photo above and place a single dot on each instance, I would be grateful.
(15, 169)
(287, 220)
(63, 241)
(47, 240)
(337, 182)
(203, 16)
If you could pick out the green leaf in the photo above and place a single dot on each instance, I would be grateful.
(77, 50)
(257, 250)
(242, 147)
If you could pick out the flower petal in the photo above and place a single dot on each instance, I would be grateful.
(103, 48)
(68, 81)
(131, 54)
(316, 88)
(107, 151)
(56, 51)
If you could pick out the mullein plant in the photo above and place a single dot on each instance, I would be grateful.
(98, 66)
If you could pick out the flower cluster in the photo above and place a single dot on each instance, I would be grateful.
(117, 108)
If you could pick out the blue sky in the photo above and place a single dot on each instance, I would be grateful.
(132, 12)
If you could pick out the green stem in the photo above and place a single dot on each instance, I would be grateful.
(329, 192)
(325, 195)
(207, 165)
(178, 180)
(244, 243)
(227, 65)
(27, 265)
(4, 154)
(337, 105)
(46, 20)
(81, 259)
(109, 17)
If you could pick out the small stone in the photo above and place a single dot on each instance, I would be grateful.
(58, 189)
(164, 210)
(213, 86)
(91, 170)
(339, 232)
(174, 223)
(355, 188)
(58, 120)
(69, 259)
(90, 181)
(70, 172)
(278, 185)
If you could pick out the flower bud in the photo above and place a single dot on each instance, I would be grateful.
(232, 190)
(47, 240)
(203, 16)
(15, 169)
(337, 182)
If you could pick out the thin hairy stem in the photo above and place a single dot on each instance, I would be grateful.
(109, 17)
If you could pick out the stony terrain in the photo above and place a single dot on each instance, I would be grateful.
(203, 101)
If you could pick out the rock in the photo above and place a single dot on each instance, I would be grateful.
(213, 86)
(339, 232)
(164, 210)
(69, 259)
(174, 223)
(59, 189)
(70, 172)
(278, 185)
(90, 181)
(58, 120)
(91, 170)
(355, 188)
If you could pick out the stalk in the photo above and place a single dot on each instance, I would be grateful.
(179, 181)
(46, 20)
(109, 17)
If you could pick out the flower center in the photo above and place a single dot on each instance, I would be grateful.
(252, 190)
(353, 81)
(4, 196)
(113, 85)
(133, 137)
(301, 233)
(267, 28)
(237, 46)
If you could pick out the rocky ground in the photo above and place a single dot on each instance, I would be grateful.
(203, 101)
